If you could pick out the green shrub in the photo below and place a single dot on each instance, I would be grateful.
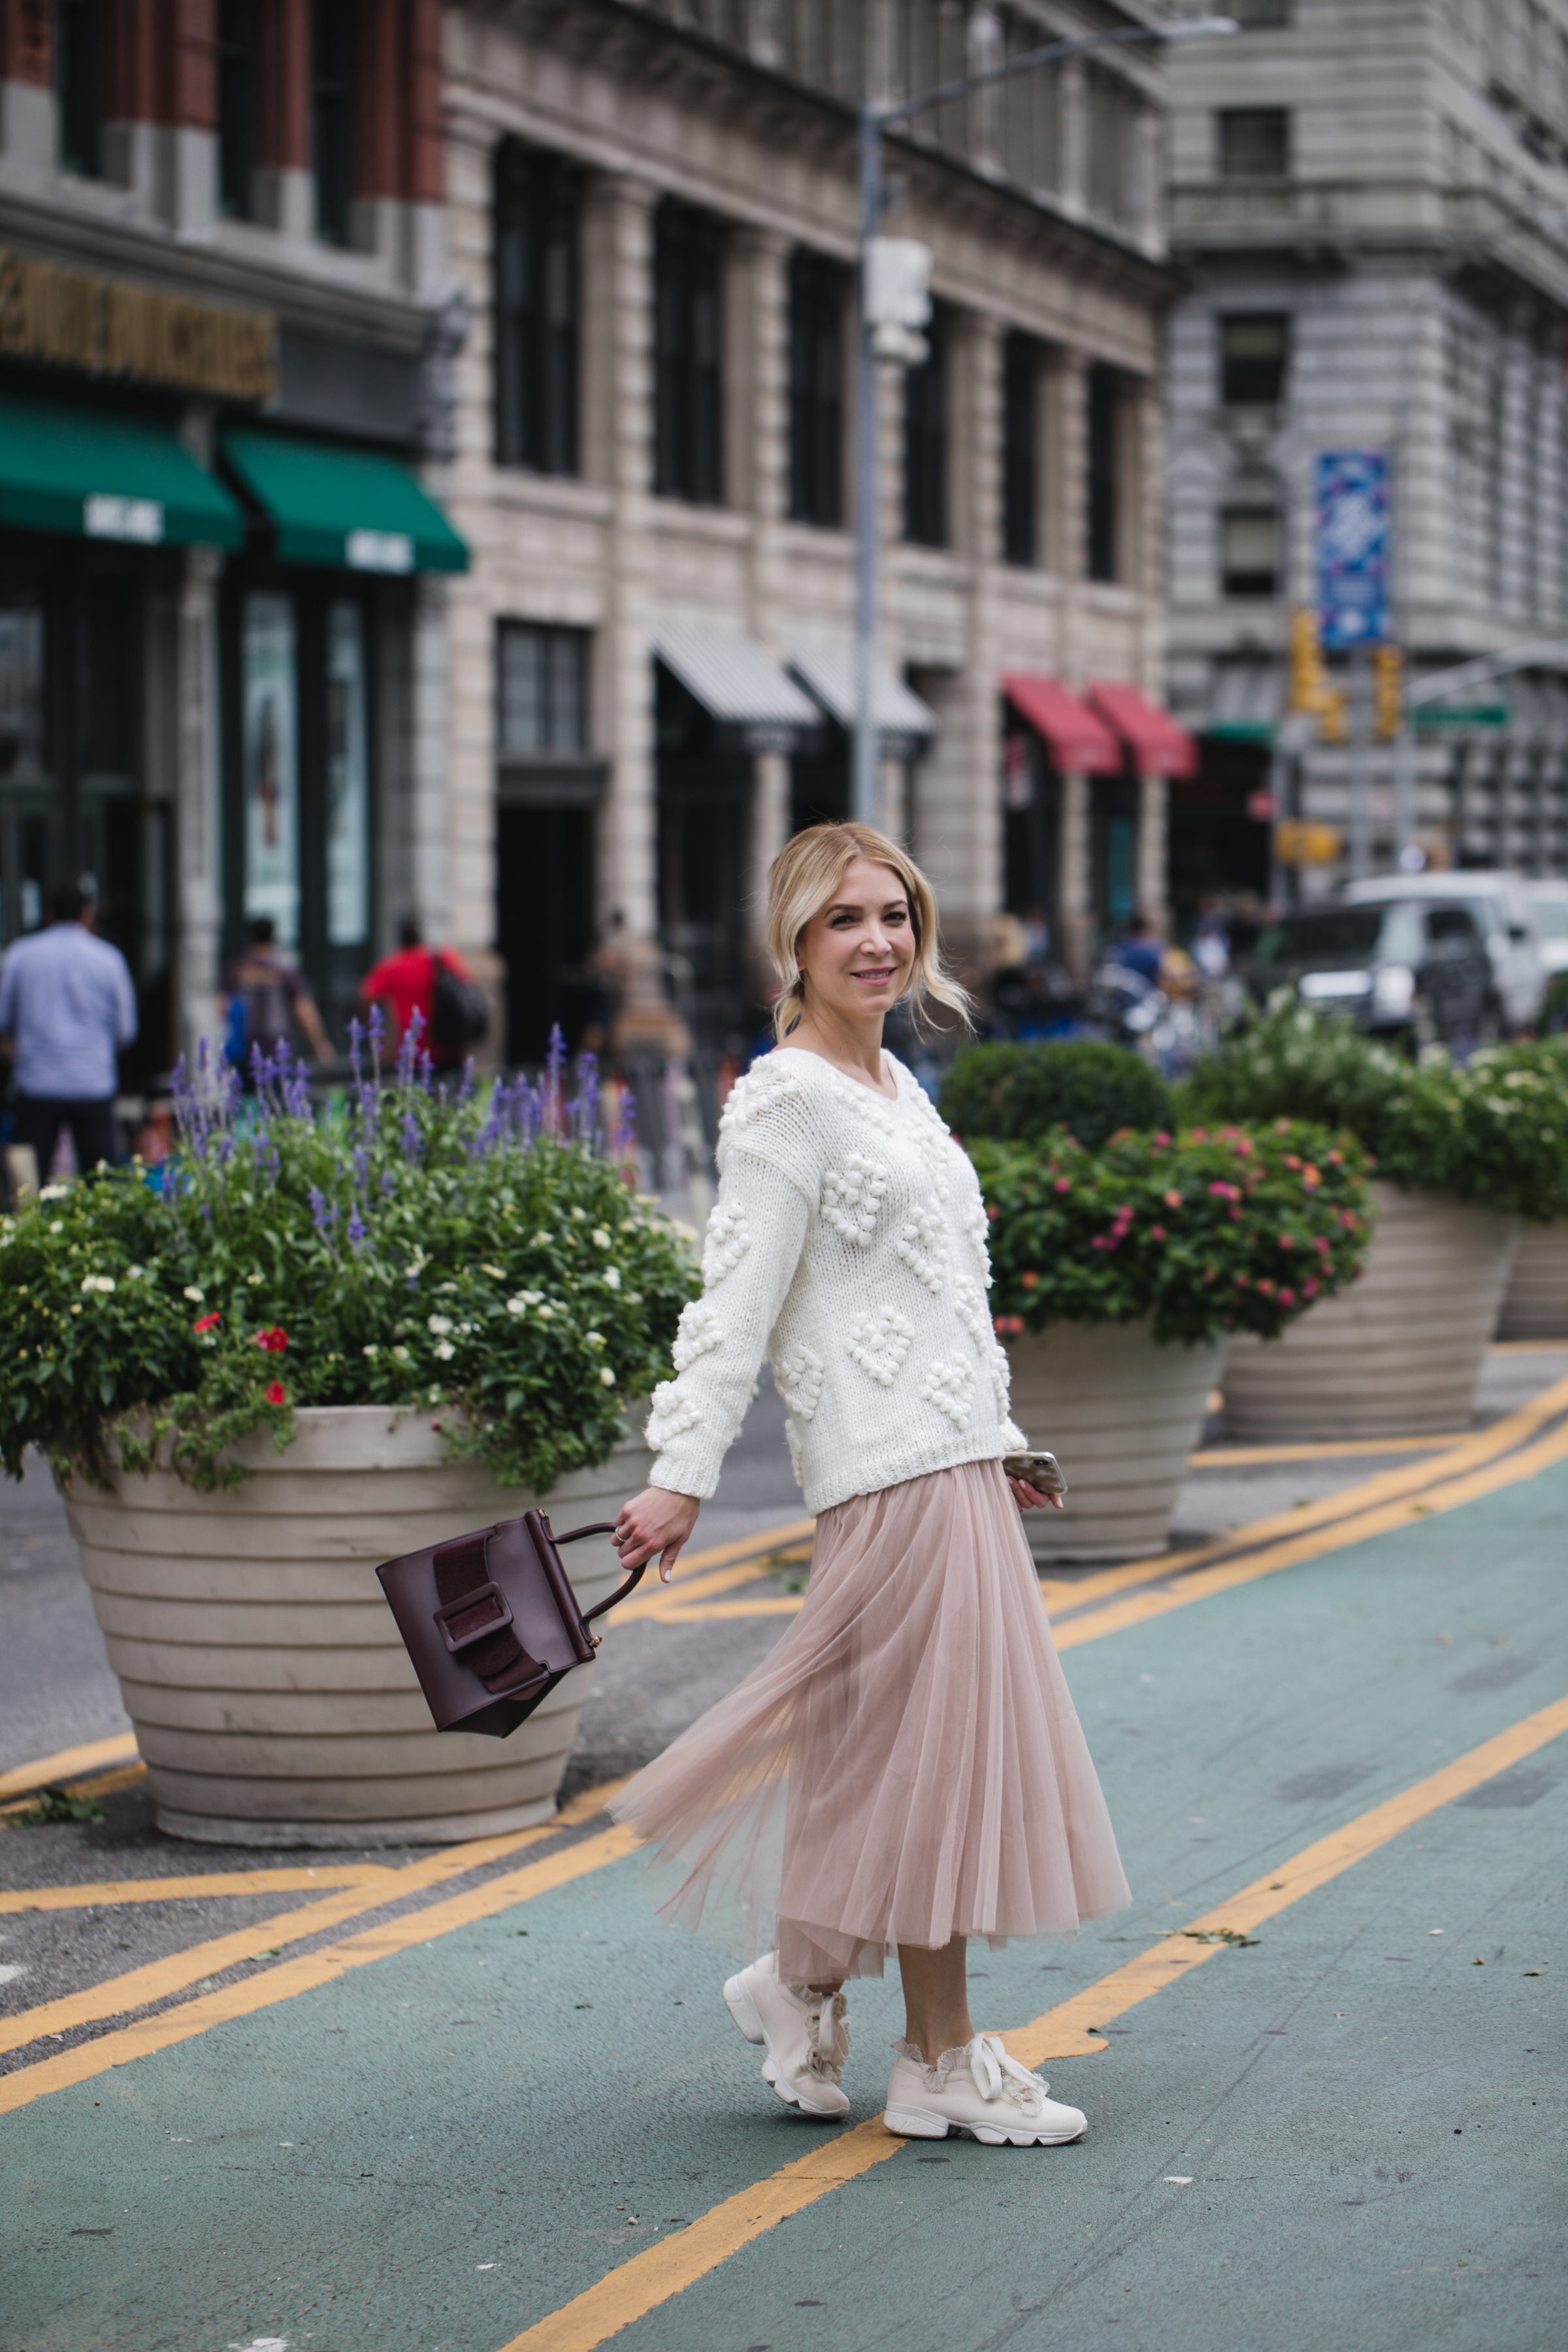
(1496, 1133)
(465, 1252)
(1014, 1092)
(1235, 1231)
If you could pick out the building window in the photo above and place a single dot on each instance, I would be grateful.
(1021, 366)
(1104, 396)
(78, 85)
(925, 440)
(1249, 556)
(1254, 355)
(332, 61)
(688, 389)
(542, 689)
(237, 83)
(537, 211)
(1254, 143)
(1260, 15)
(817, 291)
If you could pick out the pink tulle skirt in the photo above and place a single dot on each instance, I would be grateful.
(905, 1766)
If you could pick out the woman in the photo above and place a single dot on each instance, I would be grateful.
(905, 1770)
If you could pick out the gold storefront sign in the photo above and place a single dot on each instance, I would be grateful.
(106, 326)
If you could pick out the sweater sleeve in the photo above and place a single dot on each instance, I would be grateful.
(750, 1254)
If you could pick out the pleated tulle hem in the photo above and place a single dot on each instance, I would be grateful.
(905, 1766)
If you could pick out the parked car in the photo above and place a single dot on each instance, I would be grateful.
(1502, 908)
(1402, 971)
(1549, 905)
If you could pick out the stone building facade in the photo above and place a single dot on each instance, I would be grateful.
(652, 219)
(1370, 205)
(225, 346)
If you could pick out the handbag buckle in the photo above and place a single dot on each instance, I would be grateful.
(498, 1615)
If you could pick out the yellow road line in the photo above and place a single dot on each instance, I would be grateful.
(97, 1784)
(111, 1892)
(179, 1970)
(311, 1970)
(66, 1764)
(667, 2269)
(1226, 1575)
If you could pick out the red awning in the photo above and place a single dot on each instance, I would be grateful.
(1078, 742)
(1159, 747)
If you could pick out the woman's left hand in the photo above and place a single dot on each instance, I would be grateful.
(1030, 1499)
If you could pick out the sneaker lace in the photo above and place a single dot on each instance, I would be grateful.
(998, 2075)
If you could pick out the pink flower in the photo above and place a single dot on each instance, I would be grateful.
(1161, 1138)
(1064, 1183)
(1286, 1298)
(1265, 1286)
(1311, 1287)
(1173, 1200)
(1287, 1242)
(1156, 1233)
(1323, 1245)
(992, 1213)
(277, 1394)
(1099, 1242)
(275, 1341)
(1236, 1216)
(1221, 1191)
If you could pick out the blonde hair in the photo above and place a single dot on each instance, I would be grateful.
(803, 878)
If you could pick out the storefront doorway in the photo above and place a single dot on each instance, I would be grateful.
(74, 802)
(704, 843)
(298, 783)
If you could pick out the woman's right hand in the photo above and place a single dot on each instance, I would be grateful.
(655, 1521)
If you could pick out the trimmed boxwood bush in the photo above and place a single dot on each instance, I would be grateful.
(1015, 1093)
(1235, 1231)
(1496, 1133)
(468, 1251)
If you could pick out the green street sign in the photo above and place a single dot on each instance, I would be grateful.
(1461, 714)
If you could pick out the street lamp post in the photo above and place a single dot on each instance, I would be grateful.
(874, 121)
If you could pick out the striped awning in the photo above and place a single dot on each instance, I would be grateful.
(826, 670)
(739, 686)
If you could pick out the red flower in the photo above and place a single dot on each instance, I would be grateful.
(1030, 1281)
(274, 1341)
(993, 1213)
(207, 1323)
(1173, 1200)
(277, 1394)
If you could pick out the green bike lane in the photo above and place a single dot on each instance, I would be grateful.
(1345, 2131)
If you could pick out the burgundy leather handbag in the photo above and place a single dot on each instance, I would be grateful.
(491, 1623)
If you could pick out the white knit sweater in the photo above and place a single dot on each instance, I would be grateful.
(847, 1244)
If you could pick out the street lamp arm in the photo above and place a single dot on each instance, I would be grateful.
(890, 118)
(1549, 653)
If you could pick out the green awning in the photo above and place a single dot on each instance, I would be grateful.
(108, 477)
(344, 508)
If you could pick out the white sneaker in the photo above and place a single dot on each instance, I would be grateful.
(807, 2034)
(978, 2090)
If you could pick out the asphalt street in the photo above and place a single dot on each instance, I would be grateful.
(485, 2103)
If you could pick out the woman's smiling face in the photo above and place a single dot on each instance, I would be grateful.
(858, 954)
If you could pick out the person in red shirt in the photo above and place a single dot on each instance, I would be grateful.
(403, 984)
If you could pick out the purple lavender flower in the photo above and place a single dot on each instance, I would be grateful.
(357, 1230)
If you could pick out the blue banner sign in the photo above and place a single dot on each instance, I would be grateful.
(1353, 547)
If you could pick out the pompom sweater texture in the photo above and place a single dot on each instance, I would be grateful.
(847, 1245)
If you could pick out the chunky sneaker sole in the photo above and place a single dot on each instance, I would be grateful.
(820, 2098)
(918, 2123)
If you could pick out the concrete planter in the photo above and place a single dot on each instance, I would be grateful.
(1399, 1353)
(272, 1698)
(1535, 1304)
(1122, 1415)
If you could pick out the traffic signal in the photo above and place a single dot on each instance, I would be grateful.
(1387, 692)
(1309, 689)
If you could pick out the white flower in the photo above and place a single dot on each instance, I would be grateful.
(497, 1273)
(544, 1240)
(606, 1378)
(253, 1277)
(518, 1306)
(104, 1282)
(57, 1227)
(601, 1238)
(581, 1215)
(612, 1279)
(372, 1350)
(593, 1338)
(192, 1292)
(402, 1354)
(445, 1350)
(545, 1307)
(54, 1192)
(439, 1324)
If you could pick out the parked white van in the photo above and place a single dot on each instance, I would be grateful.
(1500, 905)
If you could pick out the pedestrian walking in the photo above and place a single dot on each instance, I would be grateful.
(67, 1005)
(267, 1003)
(906, 1769)
(435, 983)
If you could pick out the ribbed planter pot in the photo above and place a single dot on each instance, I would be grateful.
(1535, 1304)
(1122, 1415)
(1399, 1353)
(273, 1701)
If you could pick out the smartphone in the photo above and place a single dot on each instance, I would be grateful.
(1041, 1470)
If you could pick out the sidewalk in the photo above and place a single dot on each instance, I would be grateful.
(506, 2110)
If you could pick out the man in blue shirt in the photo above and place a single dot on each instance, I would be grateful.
(66, 1004)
